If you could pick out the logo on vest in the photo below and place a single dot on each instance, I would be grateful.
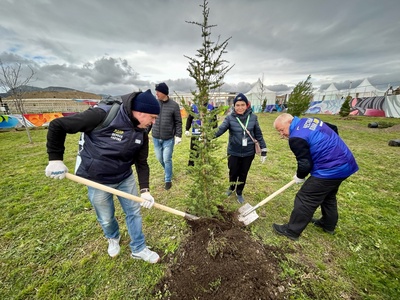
(117, 135)
(311, 123)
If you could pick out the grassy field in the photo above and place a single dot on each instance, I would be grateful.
(51, 246)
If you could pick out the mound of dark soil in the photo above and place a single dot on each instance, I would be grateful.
(220, 260)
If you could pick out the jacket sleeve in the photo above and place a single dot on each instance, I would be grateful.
(301, 150)
(215, 119)
(189, 121)
(141, 164)
(223, 127)
(178, 121)
(59, 128)
(258, 135)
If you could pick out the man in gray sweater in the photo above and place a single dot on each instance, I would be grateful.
(167, 131)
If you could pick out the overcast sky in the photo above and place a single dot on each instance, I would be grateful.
(117, 46)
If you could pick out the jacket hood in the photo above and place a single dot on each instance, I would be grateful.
(127, 101)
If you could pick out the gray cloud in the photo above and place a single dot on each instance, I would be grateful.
(116, 46)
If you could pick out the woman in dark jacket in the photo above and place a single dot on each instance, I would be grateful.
(241, 148)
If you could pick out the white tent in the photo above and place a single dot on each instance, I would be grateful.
(366, 89)
(331, 93)
(258, 93)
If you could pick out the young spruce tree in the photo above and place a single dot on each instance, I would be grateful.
(345, 108)
(208, 69)
(300, 98)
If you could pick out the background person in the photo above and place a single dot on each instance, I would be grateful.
(241, 149)
(106, 156)
(321, 153)
(167, 126)
(195, 124)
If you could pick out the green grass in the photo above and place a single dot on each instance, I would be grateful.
(51, 246)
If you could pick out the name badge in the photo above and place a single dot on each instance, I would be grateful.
(244, 142)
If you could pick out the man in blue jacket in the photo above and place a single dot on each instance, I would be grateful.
(106, 155)
(321, 153)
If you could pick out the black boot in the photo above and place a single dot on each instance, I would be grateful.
(282, 230)
(317, 222)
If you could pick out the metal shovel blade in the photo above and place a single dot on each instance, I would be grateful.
(246, 214)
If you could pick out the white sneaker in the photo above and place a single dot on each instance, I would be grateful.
(147, 255)
(113, 247)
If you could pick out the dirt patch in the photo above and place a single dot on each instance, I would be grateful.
(220, 260)
(349, 118)
(395, 128)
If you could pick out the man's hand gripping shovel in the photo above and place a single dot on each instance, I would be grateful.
(248, 214)
(127, 196)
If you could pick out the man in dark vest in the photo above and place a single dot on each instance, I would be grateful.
(106, 156)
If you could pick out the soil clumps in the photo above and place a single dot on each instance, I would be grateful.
(220, 260)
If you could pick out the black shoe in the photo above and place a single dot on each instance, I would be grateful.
(282, 230)
(317, 222)
(168, 185)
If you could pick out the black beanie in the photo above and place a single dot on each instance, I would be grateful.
(162, 88)
(146, 102)
(240, 97)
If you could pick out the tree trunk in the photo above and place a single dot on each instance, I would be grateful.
(27, 129)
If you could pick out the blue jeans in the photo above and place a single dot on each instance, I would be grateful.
(103, 204)
(163, 150)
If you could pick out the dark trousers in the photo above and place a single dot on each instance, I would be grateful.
(193, 149)
(313, 193)
(238, 169)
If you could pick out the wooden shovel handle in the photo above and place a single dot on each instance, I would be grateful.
(126, 195)
(270, 197)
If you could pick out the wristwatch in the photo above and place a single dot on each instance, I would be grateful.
(144, 191)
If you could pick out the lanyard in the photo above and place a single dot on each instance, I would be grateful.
(241, 124)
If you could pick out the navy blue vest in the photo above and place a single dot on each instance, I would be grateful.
(106, 155)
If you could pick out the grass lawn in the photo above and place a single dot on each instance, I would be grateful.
(51, 246)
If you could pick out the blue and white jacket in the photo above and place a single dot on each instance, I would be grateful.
(319, 150)
(195, 123)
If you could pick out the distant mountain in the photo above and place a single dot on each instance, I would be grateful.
(31, 89)
(57, 89)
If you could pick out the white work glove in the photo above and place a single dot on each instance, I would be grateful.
(149, 200)
(56, 169)
(187, 133)
(297, 179)
(263, 157)
(177, 140)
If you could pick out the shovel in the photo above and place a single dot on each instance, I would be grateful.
(127, 195)
(247, 213)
